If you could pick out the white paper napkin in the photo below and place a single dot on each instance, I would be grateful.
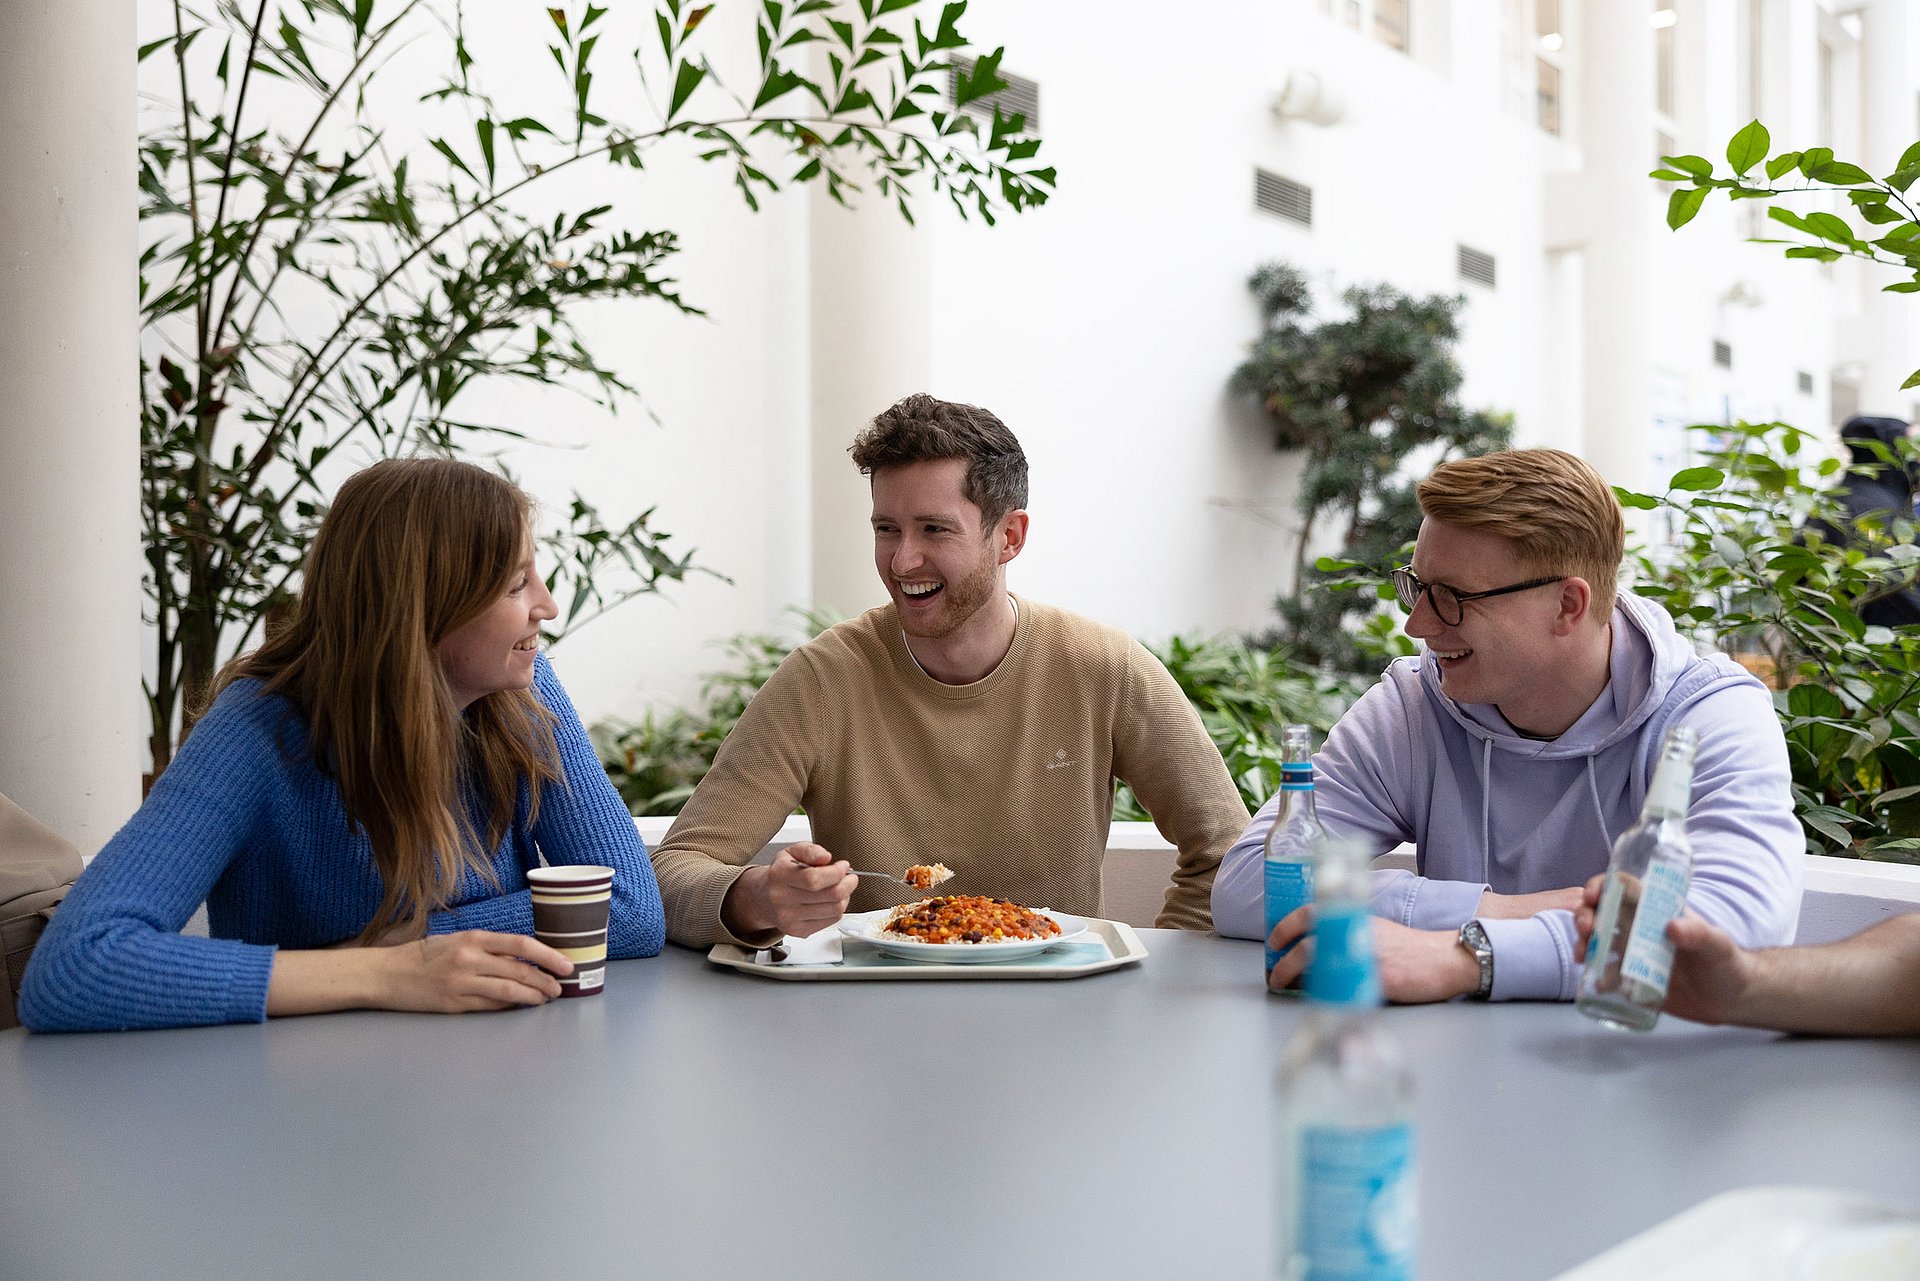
(821, 948)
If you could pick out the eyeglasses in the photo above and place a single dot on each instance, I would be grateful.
(1449, 602)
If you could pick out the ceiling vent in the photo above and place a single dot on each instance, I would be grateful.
(1476, 266)
(1283, 197)
(1021, 96)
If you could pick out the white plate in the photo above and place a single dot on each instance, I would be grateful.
(865, 926)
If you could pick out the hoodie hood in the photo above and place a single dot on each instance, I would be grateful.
(1646, 659)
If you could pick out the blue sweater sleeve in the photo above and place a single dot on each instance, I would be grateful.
(113, 955)
(581, 820)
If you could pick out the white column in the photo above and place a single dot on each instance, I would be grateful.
(70, 711)
(1614, 110)
(872, 289)
(1888, 126)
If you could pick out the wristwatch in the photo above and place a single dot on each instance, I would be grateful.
(1474, 938)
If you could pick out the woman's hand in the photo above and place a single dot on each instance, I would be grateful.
(471, 970)
(444, 973)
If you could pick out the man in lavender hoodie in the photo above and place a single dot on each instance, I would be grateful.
(1519, 744)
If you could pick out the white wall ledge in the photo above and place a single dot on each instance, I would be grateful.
(1826, 875)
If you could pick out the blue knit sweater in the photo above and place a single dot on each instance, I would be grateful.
(244, 820)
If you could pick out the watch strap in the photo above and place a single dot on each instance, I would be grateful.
(1473, 937)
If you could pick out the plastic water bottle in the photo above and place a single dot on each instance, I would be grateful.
(1630, 958)
(1295, 834)
(1348, 1192)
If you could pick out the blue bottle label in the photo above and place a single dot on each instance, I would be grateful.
(1289, 886)
(1359, 1213)
(1296, 776)
(1649, 955)
(1343, 971)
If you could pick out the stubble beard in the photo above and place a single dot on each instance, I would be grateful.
(961, 601)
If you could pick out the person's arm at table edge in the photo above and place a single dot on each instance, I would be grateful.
(710, 892)
(1867, 985)
(582, 820)
(113, 955)
(447, 974)
(1162, 751)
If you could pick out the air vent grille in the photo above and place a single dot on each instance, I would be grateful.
(1476, 266)
(1806, 383)
(1723, 354)
(1021, 96)
(1283, 197)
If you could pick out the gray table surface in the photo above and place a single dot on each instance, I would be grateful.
(695, 1122)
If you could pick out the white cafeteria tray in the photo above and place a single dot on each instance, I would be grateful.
(1119, 946)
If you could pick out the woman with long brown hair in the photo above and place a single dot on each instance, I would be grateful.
(360, 804)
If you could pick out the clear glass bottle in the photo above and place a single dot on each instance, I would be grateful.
(1348, 1205)
(1295, 834)
(1629, 958)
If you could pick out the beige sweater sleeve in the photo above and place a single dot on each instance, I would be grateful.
(1162, 751)
(757, 780)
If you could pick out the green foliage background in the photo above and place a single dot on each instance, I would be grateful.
(1368, 395)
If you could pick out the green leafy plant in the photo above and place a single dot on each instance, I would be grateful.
(320, 290)
(1744, 574)
(657, 761)
(1888, 230)
(1358, 393)
(1245, 695)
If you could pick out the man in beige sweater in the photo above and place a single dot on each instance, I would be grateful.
(957, 724)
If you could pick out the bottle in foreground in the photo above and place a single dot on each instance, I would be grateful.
(1348, 1197)
(1629, 958)
(1296, 834)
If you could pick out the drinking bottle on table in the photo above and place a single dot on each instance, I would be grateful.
(1629, 957)
(1296, 833)
(1348, 1198)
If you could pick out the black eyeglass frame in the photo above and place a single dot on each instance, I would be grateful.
(1410, 587)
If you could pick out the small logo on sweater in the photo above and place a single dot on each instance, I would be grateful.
(1059, 760)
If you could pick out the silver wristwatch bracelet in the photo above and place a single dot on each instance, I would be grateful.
(1473, 937)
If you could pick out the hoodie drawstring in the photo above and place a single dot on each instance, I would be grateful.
(1486, 806)
(1599, 811)
(1486, 809)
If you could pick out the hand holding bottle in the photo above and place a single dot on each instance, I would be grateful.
(1711, 975)
(1629, 957)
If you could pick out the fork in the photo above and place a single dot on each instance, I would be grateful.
(888, 876)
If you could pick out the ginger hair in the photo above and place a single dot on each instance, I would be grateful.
(1554, 509)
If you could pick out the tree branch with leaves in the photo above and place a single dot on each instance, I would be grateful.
(333, 292)
(1890, 231)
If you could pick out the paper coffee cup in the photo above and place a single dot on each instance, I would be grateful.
(570, 905)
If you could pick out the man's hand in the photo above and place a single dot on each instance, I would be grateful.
(801, 892)
(1416, 966)
(1712, 975)
(1295, 930)
(1419, 966)
(1518, 907)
